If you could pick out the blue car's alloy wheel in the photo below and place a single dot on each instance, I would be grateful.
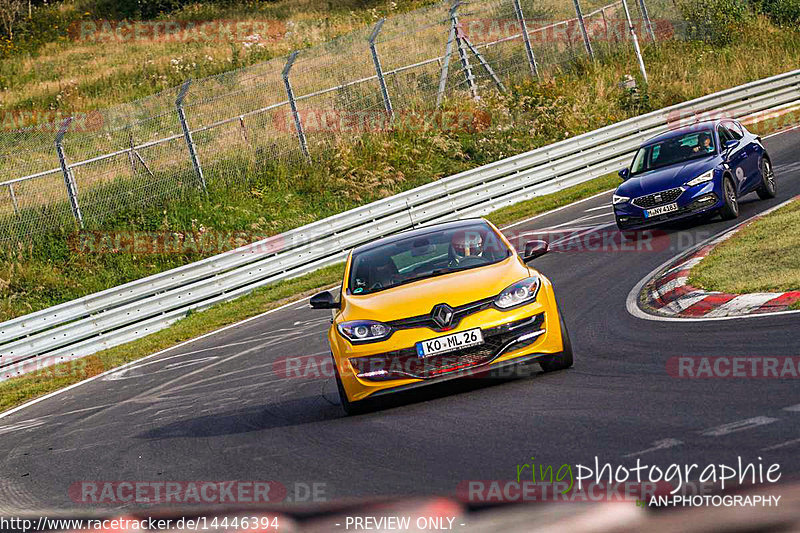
(730, 210)
(767, 188)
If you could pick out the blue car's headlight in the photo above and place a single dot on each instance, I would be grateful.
(702, 178)
(364, 331)
(617, 199)
(519, 293)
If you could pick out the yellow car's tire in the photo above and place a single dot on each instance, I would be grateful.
(563, 359)
(351, 408)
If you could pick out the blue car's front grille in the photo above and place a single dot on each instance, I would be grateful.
(658, 198)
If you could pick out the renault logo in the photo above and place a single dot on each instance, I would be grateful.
(442, 314)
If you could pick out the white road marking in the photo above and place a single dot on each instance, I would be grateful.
(580, 234)
(180, 345)
(793, 408)
(578, 220)
(606, 207)
(556, 210)
(739, 425)
(781, 132)
(781, 445)
(657, 445)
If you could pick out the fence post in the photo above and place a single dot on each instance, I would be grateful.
(131, 160)
(462, 51)
(13, 198)
(585, 34)
(387, 102)
(297, 124)
(646, 17)
(635, 40)
(187, 134)
(445, 66)
(69, 178)
(526, 39)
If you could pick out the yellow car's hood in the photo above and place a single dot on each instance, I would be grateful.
(419, 297)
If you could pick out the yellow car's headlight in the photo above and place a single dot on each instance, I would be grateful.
(520, 293)
(363, 331)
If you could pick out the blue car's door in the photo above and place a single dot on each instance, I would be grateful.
(737, 158)
(753, 149)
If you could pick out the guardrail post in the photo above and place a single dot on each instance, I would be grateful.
(526, 39)
(646, 17)
(635, 40)
(187, 134)
(585, 34)
(293, 104)
(13, 198)
(387, 102)
(69, 178)
(462, 50)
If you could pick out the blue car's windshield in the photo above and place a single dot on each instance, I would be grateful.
(673, 151)
(423, 256)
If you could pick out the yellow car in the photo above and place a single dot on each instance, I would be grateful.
(437, 303)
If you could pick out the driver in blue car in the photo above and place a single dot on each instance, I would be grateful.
(704, 144)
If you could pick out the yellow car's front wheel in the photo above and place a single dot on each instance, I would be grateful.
(562, 360)
(352, 408)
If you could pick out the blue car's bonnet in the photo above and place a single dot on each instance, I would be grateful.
(667, 177)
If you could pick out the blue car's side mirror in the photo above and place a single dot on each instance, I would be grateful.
(624, 174)
(731, 144)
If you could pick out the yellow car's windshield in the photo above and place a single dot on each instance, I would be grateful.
(425, 255)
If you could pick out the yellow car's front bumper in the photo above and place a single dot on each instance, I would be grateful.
(548, 342)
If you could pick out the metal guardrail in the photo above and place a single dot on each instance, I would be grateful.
(84, 326)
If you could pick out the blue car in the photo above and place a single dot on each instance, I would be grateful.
(698, 170)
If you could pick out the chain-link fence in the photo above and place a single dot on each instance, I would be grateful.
(214, 131)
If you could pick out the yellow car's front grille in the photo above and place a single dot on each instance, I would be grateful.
(405, 363)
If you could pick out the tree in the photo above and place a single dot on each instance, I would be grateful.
(9, 11)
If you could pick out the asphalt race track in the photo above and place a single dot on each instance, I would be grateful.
(221, 409)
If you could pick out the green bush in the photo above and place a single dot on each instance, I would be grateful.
(783, 12)
(716, 21)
